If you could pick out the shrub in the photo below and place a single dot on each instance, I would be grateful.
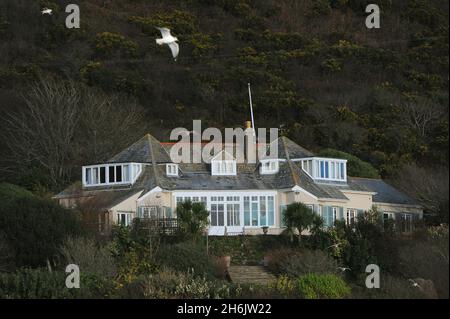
(42, 284)
(427, 258)
(309, 261)
(89, 256)
(187, 256)
(168, 283)
(283, 287)
(245, 249)
(135, 254)
(390, 288)
(34, 228)
(107, 43)
(192, 218)
(298, 216)
(326, 286)
(295, 263)
(6, 255)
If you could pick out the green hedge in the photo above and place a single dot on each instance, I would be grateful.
(34, 228)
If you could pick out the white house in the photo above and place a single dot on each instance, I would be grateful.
(142, 182)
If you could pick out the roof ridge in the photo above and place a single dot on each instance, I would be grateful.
(149, 136)
(294, 176)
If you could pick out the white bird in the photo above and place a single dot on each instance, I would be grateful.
(344, 268)
(170, 40)
(414, 284)
(47, 11)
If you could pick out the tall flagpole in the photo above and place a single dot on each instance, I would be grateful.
(251, 108)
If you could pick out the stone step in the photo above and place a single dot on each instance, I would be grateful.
(250, 275)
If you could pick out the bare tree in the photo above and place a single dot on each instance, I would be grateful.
(421, 115)
(64, 125)
(42, 132)
(429, 186)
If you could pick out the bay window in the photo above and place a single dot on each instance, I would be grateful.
(111, 174)
(325, 169)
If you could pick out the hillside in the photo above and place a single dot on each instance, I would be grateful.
(316, 71)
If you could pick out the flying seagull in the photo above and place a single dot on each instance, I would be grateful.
(170, 40)
(344, 268)
(47, 11)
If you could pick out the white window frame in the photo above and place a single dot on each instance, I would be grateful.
(312, 167)
(348, 217)
(269, 167)
(223, 167)
(172, 169)
(235, 197)
(133, 172)
(128, 218)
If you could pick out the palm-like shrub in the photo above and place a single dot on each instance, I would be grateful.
(192, 218)
(298, 216)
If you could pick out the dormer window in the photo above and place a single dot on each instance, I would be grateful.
(227, 167)
(111, 174)
(325, 169)
(172, 169)
(269, 167)
(223, 164)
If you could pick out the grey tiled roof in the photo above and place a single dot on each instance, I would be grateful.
(145, 150)
(98, 198)
(385, 193)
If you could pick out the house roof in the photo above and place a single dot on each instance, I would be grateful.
(385, 193)
(288, 148)
(145, 150)
(153, 154)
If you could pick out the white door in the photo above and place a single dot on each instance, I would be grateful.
(217, 219)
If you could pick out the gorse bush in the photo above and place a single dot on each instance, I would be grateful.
(325, 286)
(283, 287)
